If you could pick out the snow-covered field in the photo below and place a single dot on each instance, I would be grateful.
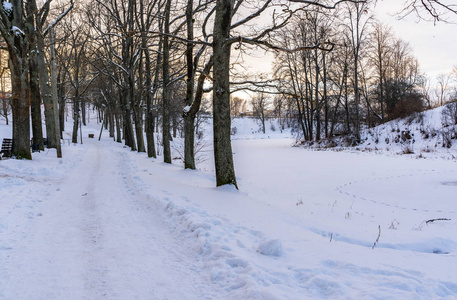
(108, 223)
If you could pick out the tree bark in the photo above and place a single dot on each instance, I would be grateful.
(74, 137)
(138, 119)
(54, 99)
(166, 87)
(189, 119)
(37, 130)
(44, 80)
(118, 128)
(62, 100)
(20, 104)
(18, 49)
(223, 156)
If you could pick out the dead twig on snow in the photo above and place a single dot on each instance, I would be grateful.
(377, 239)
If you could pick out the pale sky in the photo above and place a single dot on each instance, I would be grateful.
(435, 46)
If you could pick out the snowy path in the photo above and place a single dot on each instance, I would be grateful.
(102, 233)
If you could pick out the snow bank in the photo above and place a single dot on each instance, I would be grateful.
(421, 135)
(271, 248)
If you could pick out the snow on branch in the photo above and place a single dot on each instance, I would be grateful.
(325, 46)
(270, 86)
(316, 3)
(17, 31)
(7, 7)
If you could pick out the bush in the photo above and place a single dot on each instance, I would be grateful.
(408, 149)
(412, 103)
(448, 135)
(449, 114)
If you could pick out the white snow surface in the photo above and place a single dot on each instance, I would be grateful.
(17, 31)
(104, 222)
(8, 7)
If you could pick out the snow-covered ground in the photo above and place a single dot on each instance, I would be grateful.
(105, 222)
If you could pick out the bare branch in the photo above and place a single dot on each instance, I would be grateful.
(326, 46)
(58, 18)
(316, 3)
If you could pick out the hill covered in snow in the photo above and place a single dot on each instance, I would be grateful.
(432, 133)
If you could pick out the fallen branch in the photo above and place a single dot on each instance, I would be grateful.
(377, 239)
(439, 219)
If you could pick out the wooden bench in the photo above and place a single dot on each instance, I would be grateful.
(7, 147)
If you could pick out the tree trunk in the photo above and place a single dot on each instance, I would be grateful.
(20, 104)
(138, 119)
(223, 156)
(74, 137)
(62, 104)
(37, 130)
(127, 121)
(36, 38)
(111, 123)
(21, 96)
(166, 88)
(262, 116)
(118, 128)
(357, 99)
(137, 106)
(316, 96)
(14, 30)
(128, 93)
(189, 118)
(54, 101)
(83, 111)
(150, 117)
(5, 111)
(325, 95)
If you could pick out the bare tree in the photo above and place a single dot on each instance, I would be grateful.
(380, 58)
(438, 10)
(358, 22)
(39, 59)
(13, 27)
(236, 106)
(78, 72)
(259, 107)
(443, 91)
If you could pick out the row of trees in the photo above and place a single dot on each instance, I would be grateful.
(22, 26)
(367, 76)
(136, 60)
